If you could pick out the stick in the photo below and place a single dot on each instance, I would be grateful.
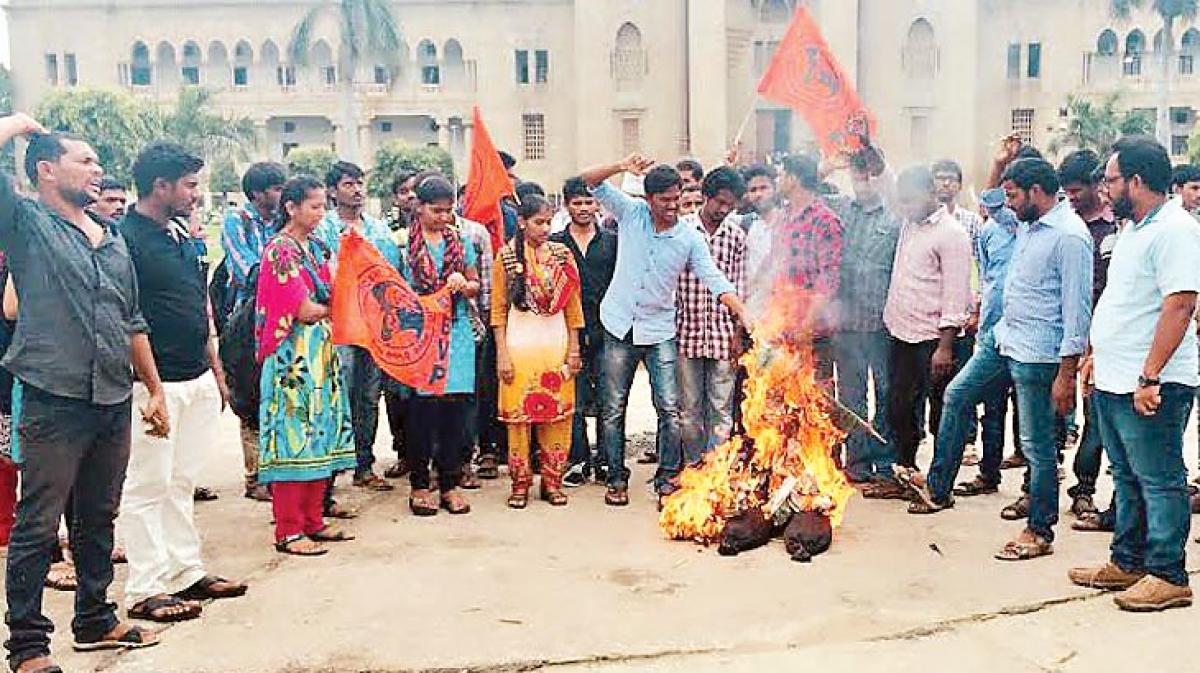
(745, 121)
(857, 420)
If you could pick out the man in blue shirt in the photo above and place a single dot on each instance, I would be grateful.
(362, 377)
(638, 311)
(1037, 341)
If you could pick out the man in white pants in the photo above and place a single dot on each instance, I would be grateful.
(166, 574)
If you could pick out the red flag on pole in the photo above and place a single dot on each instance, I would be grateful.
(806, 77)
(487, 183)
(408, 335)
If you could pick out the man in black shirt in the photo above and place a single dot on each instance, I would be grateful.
(595, 250)
(166, 573)
(78, 330)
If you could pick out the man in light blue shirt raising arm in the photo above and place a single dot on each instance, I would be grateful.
(1145, 373)
(638, 311)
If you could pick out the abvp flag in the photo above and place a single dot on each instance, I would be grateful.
(487, 183)
(408, 335)
(805, 76)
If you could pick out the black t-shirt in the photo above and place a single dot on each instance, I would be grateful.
(172, 295)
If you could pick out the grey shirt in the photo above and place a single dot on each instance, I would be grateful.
(78, 303)
(869, 238)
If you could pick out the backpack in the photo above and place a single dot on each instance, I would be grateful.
(221, 296)
(237, 351)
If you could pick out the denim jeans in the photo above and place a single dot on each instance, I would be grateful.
(621, 358)
(1153, 509)
(363, 380)
(1033, 383)
(985, 377)
(587, 404)
(68, 447)
(991, 429)
(706, 388)
(1087, 457)
(859, 354)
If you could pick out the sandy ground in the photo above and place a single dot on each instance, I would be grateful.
(589, 588)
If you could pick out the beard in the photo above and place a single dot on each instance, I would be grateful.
(1123, 208)
(1029, 213)
(77, 197)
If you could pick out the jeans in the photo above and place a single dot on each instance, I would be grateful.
(1146, 452)
(986, 376)
(363, 380)
(69, 447)
(706, 404)
(1033, 383)
(1087, 457)
(587, 403)
(859, 354)
(964, 348)
(621, 358)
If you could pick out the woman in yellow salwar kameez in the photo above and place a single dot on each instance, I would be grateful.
(537, 315)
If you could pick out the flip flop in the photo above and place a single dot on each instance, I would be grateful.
(1024, 551)
(133, 639)
(284, 546)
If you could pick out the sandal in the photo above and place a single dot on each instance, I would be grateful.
(1013, 462)
(338, 511)
(1092, 522)
(373, 482)
(1016, 511)
(616, 497)
(555, 497)
(885, 490)
(489, 467)
(62, 577)
(165, 609)
(519, 499)
(977, 486)
(204, 494)
(209, 587)
(648, 458)
(469, 481)
(330, 534)
(118, 554)
(288, 546)
(46, 666)
(397, 470)
(920, 506)
(132, 638)
(453, 502)
(1019, 550)
(421, 503)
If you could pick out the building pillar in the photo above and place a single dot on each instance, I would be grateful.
(708, 84)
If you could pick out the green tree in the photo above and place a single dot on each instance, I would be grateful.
(214, 136)
(1194, 147)
(1096, 125)
(223, 179)
(315, 161)
(395, 156)
(368, 30)
(115, 123)
(1171, 12)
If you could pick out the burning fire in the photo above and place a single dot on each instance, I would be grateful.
(790, 432)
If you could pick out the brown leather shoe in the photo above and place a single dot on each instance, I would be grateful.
(1109, 577)
(1152, 594)
(258, 492)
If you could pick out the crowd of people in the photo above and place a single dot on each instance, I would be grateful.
(1065, 280)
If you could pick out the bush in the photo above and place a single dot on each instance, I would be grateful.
(395, 156)
(315, 161)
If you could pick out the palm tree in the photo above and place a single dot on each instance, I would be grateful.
(367, 30)
(1096, 125)
(1171, 12)
(193, 124)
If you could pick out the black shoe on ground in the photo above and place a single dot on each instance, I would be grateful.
(574, 477)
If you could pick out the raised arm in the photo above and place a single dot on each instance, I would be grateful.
(12, 126)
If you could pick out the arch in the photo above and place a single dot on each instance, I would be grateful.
(1189, 49)
(1135, 42)
(454, 69)
(1190, 41)
(920, 51)
(139, 64)
(189, 62)
(217, 71)
(320, 57)
(629, 58)
(243, 62)
(427, 61)
(1106, 43)
(166, 73)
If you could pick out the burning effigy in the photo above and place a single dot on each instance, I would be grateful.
(780, 472)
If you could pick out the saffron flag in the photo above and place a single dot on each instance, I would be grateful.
(408, 335)
(805, 76)
(487, 183)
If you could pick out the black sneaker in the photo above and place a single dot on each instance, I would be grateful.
(600, 474)
(574, 477)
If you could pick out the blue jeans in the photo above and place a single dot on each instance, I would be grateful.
(857, 354)
(706, 389)
(1153, 509)
(621, 358)
(991, 426)
(1035, 404)
(1087, 457)
(985, 378)
(364, 382)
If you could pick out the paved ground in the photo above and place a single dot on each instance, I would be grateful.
(589, 588)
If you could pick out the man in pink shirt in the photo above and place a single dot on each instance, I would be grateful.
(928, 303)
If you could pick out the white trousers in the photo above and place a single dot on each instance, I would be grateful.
(156, 517)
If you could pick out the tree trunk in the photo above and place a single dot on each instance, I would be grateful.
(1167, 53)
(351, 152)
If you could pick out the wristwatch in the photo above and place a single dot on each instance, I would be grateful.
(1146, 382)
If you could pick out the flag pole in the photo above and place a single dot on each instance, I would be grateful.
(745, 121)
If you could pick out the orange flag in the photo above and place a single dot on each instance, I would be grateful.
(487, 183)
(804, 76)
(408, 335)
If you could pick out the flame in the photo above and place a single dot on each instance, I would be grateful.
(789, 431)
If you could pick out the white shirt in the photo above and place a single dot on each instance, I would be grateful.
(1151, 260)
(759, 266)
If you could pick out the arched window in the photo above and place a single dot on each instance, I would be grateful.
(455, 70)
(776, 11)
(629, 58)
(322, 59)
(1189, 48)
(1135, 48)
(218, 64)
(243, 60)
(427, 59)
(920, 51)
(166, 74)
(189, 69)
(139, 64)
(1106, 44)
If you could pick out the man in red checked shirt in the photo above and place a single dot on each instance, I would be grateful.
(807, 254)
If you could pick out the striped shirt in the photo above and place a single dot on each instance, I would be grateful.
(869, 238)
(244, 235)
(704, 327)
(931, 279)
(481, 238)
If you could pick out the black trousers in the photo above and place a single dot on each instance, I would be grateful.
(69, 447)
(396, 404)
(438, 431)
(912, 383)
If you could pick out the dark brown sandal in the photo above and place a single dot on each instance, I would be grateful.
(421, 503)
(976, 486)
(454, 503)
(519, 499)
(1016, 511)
(555, 497)
(489, 468)
(165, 610)
(885, 490)
(469, 481)
(285, 546)
(331, 534)
(208, 588)
(616, 497)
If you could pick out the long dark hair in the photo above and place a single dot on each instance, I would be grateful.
(295, 191)
(518, 294)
